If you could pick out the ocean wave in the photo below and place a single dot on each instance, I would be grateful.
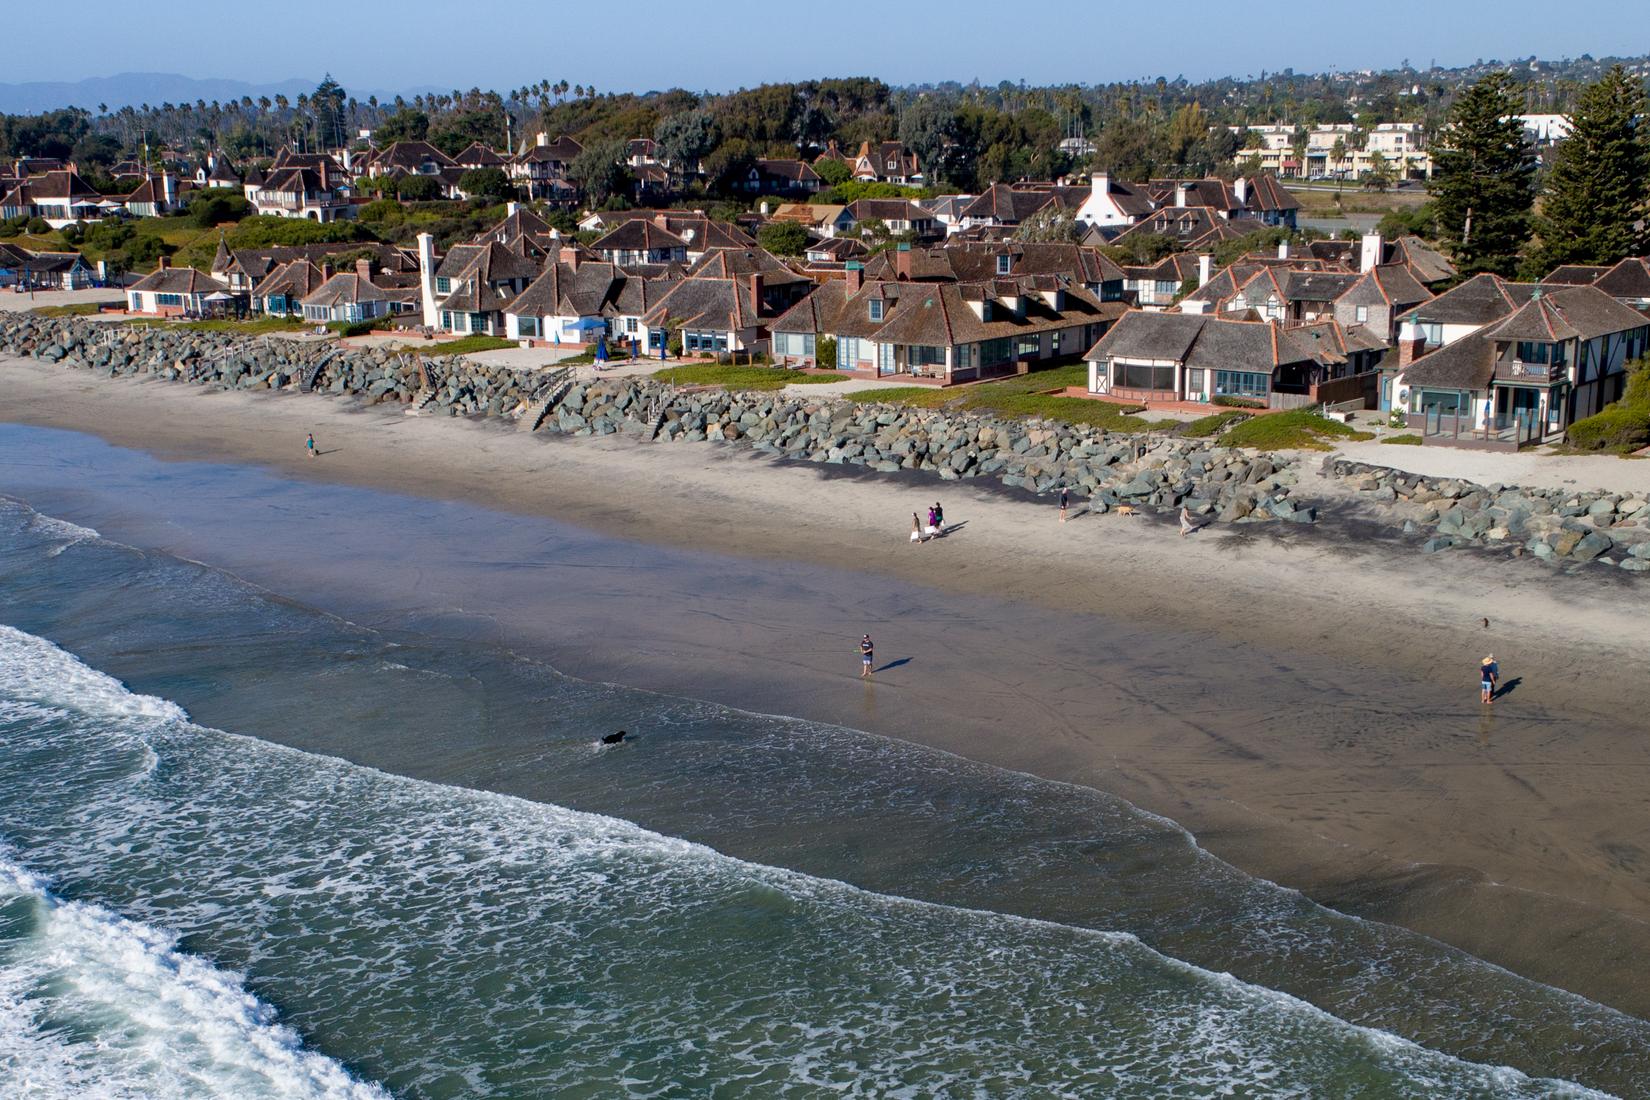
(93, 1004)
(34, 670)
(62, 531)
(424, 928)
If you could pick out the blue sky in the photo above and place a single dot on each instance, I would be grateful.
(719, 44)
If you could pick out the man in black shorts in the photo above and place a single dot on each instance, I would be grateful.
(866, 658)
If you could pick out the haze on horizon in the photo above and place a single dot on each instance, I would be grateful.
(724, 44)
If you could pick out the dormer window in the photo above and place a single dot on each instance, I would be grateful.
(875, 307)
(1004, 263)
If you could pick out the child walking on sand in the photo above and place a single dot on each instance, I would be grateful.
(309, 445)
(1065, 502)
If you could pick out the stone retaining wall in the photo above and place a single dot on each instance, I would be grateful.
(1551, 524)
(1146, 472)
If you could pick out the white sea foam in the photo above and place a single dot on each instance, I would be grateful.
(34, 670)
(92, 1004)
(727, 971)
(68, 534)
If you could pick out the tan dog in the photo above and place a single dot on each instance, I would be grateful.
(1125, 510)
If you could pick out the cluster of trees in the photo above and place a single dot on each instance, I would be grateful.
(1597, 193)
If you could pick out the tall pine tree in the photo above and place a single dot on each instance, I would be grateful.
(1598, 192)
(1485, 183)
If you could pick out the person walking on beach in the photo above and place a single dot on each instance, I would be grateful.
(1488, 673)
(939, 518)
(916, 528)
(866, 657)
(309, 445)
(1065, 502)
(1186, 525)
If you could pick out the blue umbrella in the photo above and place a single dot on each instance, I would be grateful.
(585, 324)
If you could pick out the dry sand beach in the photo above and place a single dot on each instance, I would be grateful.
(1303, 700)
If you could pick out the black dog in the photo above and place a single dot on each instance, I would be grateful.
(613, 738)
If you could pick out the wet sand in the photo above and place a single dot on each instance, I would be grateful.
(1303, 700)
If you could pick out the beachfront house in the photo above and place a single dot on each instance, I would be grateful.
(944, 333)
(174, 292)
(1167, 357)
(1524, 378)
(348, 296)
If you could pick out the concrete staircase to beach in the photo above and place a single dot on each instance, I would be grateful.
(306, 381)
(556, 389)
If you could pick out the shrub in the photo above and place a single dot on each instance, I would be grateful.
(825, 352)
(1623, 426)
(417, 188)
(216, 206)
(73, 234)
(37, 226)
(1620, 427)
(352, 328)
(1237, 402)
(1407, 440)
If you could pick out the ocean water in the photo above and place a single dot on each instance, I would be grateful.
(732, 904)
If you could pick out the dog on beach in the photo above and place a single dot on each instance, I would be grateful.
(613, 738)
(1126, 510)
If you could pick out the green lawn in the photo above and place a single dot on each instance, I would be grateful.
(1021, 396)
(464, 345)
(1298, 429)
(257, 326)
(78, 309)
(1410, 440)
(739, 378)
(1205, 426)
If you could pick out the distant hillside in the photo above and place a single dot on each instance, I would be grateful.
(135, 89)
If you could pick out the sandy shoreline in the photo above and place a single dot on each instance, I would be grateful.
(1376, 784)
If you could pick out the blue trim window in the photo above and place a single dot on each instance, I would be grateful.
(1232, 383)
(168, 300)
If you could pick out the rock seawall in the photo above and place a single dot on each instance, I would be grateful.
(1558, 525)
(1228, 485)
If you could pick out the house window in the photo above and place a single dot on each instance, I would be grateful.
(1361, 313)
(968, 357)
(1194, 380)
(875, 307)
(527, 326)
(1143, 376)
(1004, 263)
(443, 285)
(168, 299)
(1028, 346)
(630, 324)
(446, 319)
(1232, 383)
(478, 322)
(924, 355)
(1432, 334)
(1439, 402)
(1165, 288)
(993, 352)
(1532, 352)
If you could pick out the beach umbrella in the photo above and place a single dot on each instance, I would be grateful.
(585, 324)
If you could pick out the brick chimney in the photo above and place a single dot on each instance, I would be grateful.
(853, 276)
(326, 270)
(363, 269)
(569, 256)
(756, 292)
(165, 262)
(902, 262)
(1411, 350)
